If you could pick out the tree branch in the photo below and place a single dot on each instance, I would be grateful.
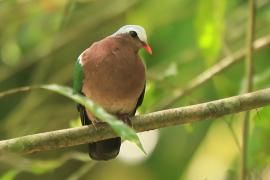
(209, 73)
(82, 135)
(17, 90)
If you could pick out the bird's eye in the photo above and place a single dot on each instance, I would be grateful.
(133, 34)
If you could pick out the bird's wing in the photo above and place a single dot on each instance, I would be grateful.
(140, 100)
(78, 77)
(77, 89)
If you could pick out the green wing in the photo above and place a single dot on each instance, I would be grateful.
(78, 77)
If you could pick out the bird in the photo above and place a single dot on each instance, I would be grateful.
(111, 73)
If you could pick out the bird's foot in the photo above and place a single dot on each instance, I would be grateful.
(94, 123)
(93, 120)
(126, 119)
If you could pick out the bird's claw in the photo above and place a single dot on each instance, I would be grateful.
(94, 123)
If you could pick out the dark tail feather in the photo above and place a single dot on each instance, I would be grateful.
(105, 150)
(101, 150)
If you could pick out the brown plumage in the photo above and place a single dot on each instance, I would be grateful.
(114, 73)
(114, 78)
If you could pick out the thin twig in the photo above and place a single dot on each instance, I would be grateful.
(209, 73)
(229, 124)
(17, 90)
(82, 135)
(249, 75)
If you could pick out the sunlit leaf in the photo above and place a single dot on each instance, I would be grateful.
(11, 53)
(210, 27)
(75, 123)
(41, 167)
(9, 175)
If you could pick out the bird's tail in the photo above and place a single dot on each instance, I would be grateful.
(101, 150)
(105, 150)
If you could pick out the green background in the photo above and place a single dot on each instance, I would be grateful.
(41, 40)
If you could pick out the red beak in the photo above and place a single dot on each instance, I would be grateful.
(147, 48)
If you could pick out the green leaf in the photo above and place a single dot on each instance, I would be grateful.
(9, 175)
(210, 25)
(75, 122)
(121, 129)
(41, 166)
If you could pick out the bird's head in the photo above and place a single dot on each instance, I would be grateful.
(136, 32)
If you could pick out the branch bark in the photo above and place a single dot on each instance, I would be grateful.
(82, 135)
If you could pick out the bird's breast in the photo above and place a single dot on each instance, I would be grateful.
(115, 82)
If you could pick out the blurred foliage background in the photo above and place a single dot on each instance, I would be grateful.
(41, 40)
